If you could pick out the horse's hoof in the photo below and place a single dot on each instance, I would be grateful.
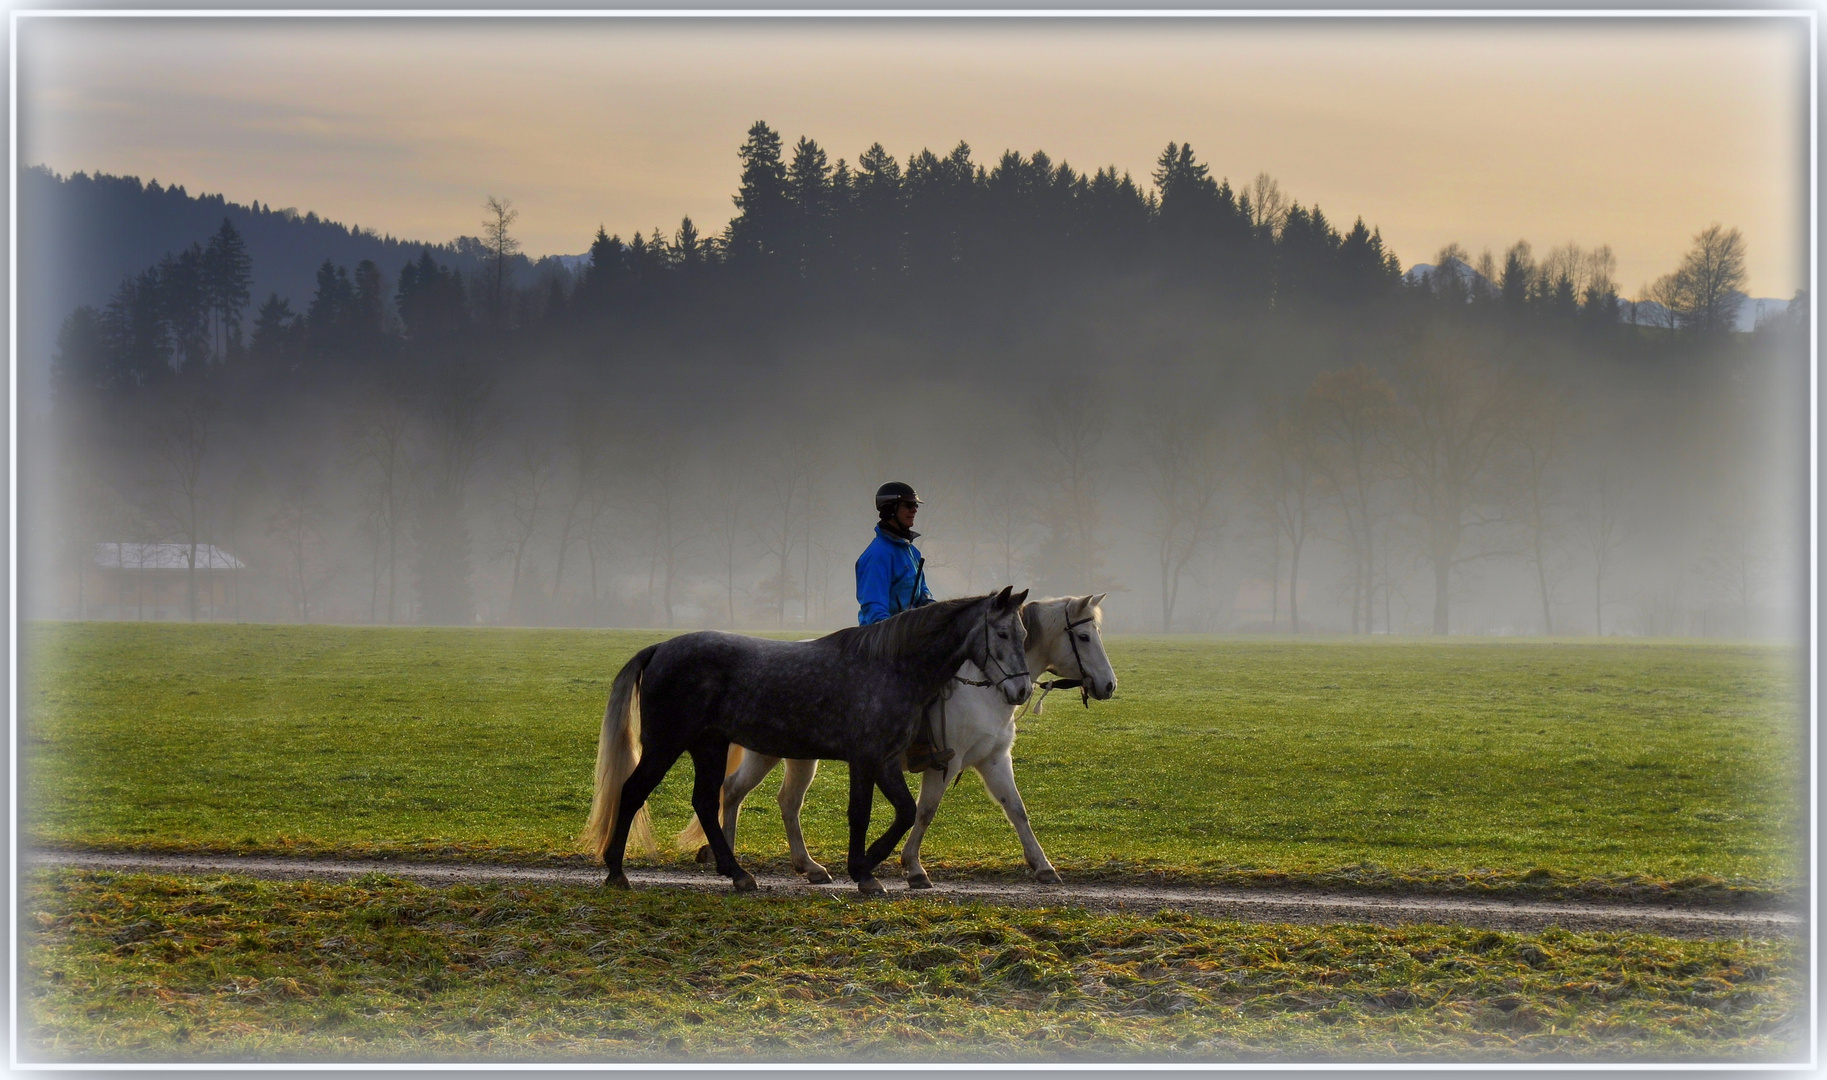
(871, 887)
(919, 881)
(616, 881)
(1049, 876)
(818, 875)
(743, 882)
(705, 856)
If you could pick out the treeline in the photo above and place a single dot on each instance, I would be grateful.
(982, 247)
(1182, 385)
(81, 235)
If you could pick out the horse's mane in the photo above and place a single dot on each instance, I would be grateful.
(900, 634)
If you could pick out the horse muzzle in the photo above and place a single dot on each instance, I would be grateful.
(1017, 690)
(1102, 691)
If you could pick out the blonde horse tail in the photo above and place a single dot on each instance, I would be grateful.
(692, 836)
(618, 751)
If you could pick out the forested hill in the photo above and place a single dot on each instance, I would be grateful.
(80, 235)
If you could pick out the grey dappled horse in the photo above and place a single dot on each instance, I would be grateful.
(853, 696)
(1062, 639)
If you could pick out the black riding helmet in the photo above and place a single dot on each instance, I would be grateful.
(893, 494)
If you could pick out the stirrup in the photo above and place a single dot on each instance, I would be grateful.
(921, 758)
(925, 757)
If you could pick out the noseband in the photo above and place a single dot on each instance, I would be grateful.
(1084, 692)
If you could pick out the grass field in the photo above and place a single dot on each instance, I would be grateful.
(144, 968)
(1511, 765)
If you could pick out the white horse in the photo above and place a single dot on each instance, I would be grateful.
(973, 720)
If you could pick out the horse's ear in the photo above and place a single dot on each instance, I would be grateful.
(1019, 598)
(1096, 601)
(1002, 598)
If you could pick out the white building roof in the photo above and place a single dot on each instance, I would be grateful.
(118, 555)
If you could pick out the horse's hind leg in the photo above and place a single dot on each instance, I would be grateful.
(706, 789)
(932, 788)
(792, 796)
(646, 776)
(999, 779)
(737, 785)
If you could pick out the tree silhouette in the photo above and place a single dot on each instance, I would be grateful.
(502, 246)
(761, 229)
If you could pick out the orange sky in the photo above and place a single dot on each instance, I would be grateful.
(1635, 133)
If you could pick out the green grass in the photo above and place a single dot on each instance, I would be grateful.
(1614, 767)
(147, 968)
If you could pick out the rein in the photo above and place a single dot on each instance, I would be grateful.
(989, 658)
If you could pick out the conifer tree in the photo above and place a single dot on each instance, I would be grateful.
(227, 275)
(759, 231)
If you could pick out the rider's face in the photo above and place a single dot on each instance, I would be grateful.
(904, 514)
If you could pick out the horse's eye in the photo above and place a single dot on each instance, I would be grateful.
(1084, 637)
(1003, 634)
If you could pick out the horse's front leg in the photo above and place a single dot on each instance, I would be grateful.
(933, 783)
(708, 758)
(999, 778)
(800, 772)
(862, 797)
(888, 777)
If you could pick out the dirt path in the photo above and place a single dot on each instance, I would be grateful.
(1256, 905)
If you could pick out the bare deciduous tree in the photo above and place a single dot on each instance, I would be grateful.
(1736, 555)
(379, 446)
(1185, 465)
(501, 247)
(1602, 530)
(1542, 422)
(1268, 206)
(1449, 433)
(587, 450)
(532, 471)
(662, 471)
(791, 465)
(180, 446)
(297, 526)
(1351, 411)
(1071, 425)
(1284, 483)
(1703, 293)
(725, 518)
(461, 418)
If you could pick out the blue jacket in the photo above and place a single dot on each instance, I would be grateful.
(888, 578)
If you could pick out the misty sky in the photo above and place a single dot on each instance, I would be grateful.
(1631, 132)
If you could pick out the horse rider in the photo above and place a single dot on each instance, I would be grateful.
(890, 579)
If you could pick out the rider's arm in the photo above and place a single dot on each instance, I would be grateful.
(872, 581)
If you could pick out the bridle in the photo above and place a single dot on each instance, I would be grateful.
(1084, 692)
(989, 658)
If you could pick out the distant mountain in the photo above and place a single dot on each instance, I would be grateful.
(80, 235)
(1421, 272)
(1751, 311)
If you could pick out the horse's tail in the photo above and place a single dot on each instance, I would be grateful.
(618, 751)
(692, 837)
